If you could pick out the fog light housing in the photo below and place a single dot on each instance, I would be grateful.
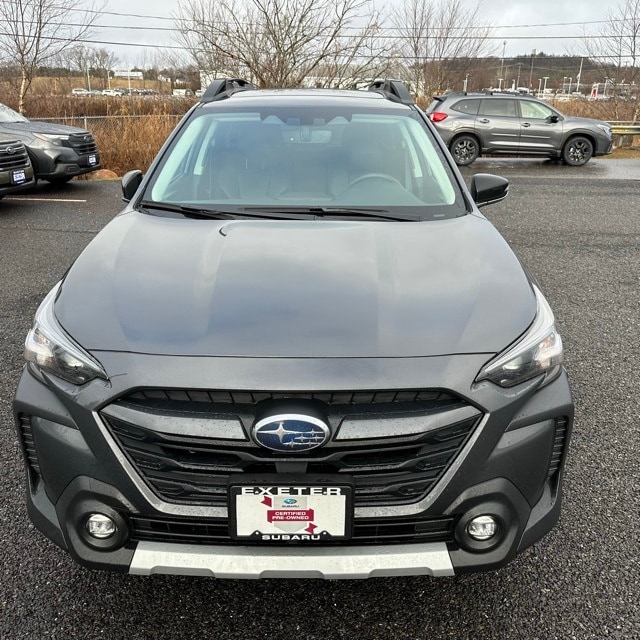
(100, 527)
(482, 528)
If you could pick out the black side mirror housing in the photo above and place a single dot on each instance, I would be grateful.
(130, 183)
(487, 189)
(553, 118)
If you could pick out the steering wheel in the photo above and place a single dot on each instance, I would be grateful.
(375, 176)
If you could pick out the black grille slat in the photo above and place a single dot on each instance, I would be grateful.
(26, 435)
(366, 531)
(558, 446)
(190, 469)
(438, 398)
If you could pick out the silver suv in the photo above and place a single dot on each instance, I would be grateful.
(476, 123)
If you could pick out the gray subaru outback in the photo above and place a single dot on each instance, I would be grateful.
(472, 124)
(300, 351)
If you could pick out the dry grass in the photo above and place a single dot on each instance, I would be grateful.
(132, 143)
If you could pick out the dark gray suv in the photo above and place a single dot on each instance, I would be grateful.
(300, 351)
(494, 123)
(57, 152)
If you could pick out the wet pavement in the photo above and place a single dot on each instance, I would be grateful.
(604, 168)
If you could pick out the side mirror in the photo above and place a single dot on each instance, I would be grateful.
(130, 183)
(553, 118)
(487, 189)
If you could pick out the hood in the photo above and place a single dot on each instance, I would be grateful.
(585, 122)
(34, 126)
(303, 289)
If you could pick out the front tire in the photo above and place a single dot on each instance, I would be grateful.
(464, 149)
(577, 151)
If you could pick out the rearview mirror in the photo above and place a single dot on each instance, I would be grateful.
(130, 183)
(487, 189)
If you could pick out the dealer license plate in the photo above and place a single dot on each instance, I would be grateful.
(290, 513)
(18, 177)
(93, 159)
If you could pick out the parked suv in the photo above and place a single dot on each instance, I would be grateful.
(57, 152)
(300, 351)
(16, 172)
(475, 123)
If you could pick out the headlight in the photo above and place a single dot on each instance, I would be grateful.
(55, 140)
(49, 349)
(605, 128)
(537, 352)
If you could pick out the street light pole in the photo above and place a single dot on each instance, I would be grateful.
(579, 76)
(539, 86)
(545, 78)
(504, 46)
(533, 57)
(570, 81)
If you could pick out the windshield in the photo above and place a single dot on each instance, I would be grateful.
(307, 156)
(9, 115)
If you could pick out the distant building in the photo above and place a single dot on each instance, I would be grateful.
(134, 75)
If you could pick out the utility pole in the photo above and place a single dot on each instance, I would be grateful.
(466, 80)
(544, 89)
(539, 86)
(519, 70)
(570, 81)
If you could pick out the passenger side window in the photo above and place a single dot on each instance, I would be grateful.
(469, 107)
(498, 107)
(535, 110)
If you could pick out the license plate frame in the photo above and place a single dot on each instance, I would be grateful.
(18, 176)
(321, 511)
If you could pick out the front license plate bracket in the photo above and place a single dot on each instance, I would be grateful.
(291, 509)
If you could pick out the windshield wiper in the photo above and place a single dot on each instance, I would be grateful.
(188, 210)
(348, 212)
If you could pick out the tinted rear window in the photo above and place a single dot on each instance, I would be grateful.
(498, 107)
(467, 106)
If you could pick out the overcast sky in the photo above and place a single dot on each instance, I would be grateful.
(512, 17)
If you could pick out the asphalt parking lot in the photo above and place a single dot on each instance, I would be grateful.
(578, 232)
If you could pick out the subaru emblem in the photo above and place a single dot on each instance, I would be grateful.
(290, 433)
(9, 151)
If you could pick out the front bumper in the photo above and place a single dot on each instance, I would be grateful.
(503, 469)
(61, 162)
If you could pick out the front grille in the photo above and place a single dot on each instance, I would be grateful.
(365, 531)
(188, 469)
(26, 437)
(83, 143)
(16, 159)
(558, 446)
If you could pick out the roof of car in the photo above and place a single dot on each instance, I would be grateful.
(387, 92)
(486, 94)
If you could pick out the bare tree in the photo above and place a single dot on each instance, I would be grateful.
(439, 40)
(616, 48)
(280, 43)
(33, 32)
(103, 62)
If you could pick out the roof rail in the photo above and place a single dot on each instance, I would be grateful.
(222, 88)
(393, 90)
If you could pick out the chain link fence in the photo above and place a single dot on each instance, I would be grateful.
(125, 142)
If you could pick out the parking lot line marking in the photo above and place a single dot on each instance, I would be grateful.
(46, 199)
